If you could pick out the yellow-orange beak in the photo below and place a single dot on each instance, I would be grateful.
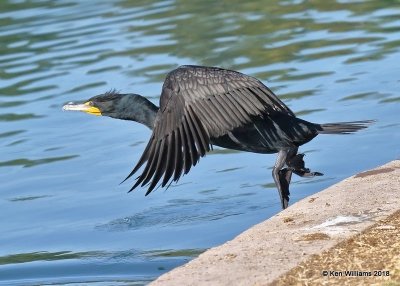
(85, 107)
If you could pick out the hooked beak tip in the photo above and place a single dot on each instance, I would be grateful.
(74, 107)
(66, 106)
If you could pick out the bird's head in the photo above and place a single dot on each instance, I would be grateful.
(106, 104)
(121, 106)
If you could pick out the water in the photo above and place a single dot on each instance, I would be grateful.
(64, 219)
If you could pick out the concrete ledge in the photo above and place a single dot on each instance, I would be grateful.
(266, 251)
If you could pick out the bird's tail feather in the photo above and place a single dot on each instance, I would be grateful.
(344, 127)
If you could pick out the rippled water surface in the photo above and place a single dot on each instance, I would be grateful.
(65, 219)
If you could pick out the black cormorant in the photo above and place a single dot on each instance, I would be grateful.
(205, 106)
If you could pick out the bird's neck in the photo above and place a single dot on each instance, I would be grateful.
(149, 114)
(139, 109)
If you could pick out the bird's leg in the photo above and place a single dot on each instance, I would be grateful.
(285, 174)
(282, 177)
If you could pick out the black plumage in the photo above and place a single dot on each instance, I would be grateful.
(205, 106)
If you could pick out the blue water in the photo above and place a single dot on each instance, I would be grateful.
(64, 218)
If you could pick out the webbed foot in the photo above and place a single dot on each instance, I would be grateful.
(297, 165)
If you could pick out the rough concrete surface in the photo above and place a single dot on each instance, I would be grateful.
(371, 257)
(265, 252)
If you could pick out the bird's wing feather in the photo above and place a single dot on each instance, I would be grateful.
(197, 104)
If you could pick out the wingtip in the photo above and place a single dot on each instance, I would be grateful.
(126, 179)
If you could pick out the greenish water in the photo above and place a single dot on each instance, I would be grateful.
(64, 218)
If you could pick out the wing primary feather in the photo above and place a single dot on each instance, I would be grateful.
(240, 109)
(219, 119)
(185, 151)
(161, 165)
(229, 106)
(253, 99)
(264, 98)
(215, 101)
(170, 160)
(179, 161)
(234, 97)
(275, 100)
(218, 116)
(202, 132)
(149, 160)
(190, 141)
(149, 166)
(208, 115)
(224, 106)
(203, 113)
(149, 163)
(244, 102)
(142, 159)
(154, 163)
(195, 132)
(271, 102)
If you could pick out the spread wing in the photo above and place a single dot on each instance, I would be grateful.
(196, 104)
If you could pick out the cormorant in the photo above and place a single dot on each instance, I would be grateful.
(205, 106)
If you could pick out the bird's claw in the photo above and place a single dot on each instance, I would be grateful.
(317, 174)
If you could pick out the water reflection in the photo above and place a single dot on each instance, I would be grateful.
(47, 256)
(31, 163)
(30, 198)
(11, 133)
(364, 95)
(178, 212)
(14, 117)
(275, 33)
(129, 255)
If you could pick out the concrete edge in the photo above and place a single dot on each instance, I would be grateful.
(266, 251)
